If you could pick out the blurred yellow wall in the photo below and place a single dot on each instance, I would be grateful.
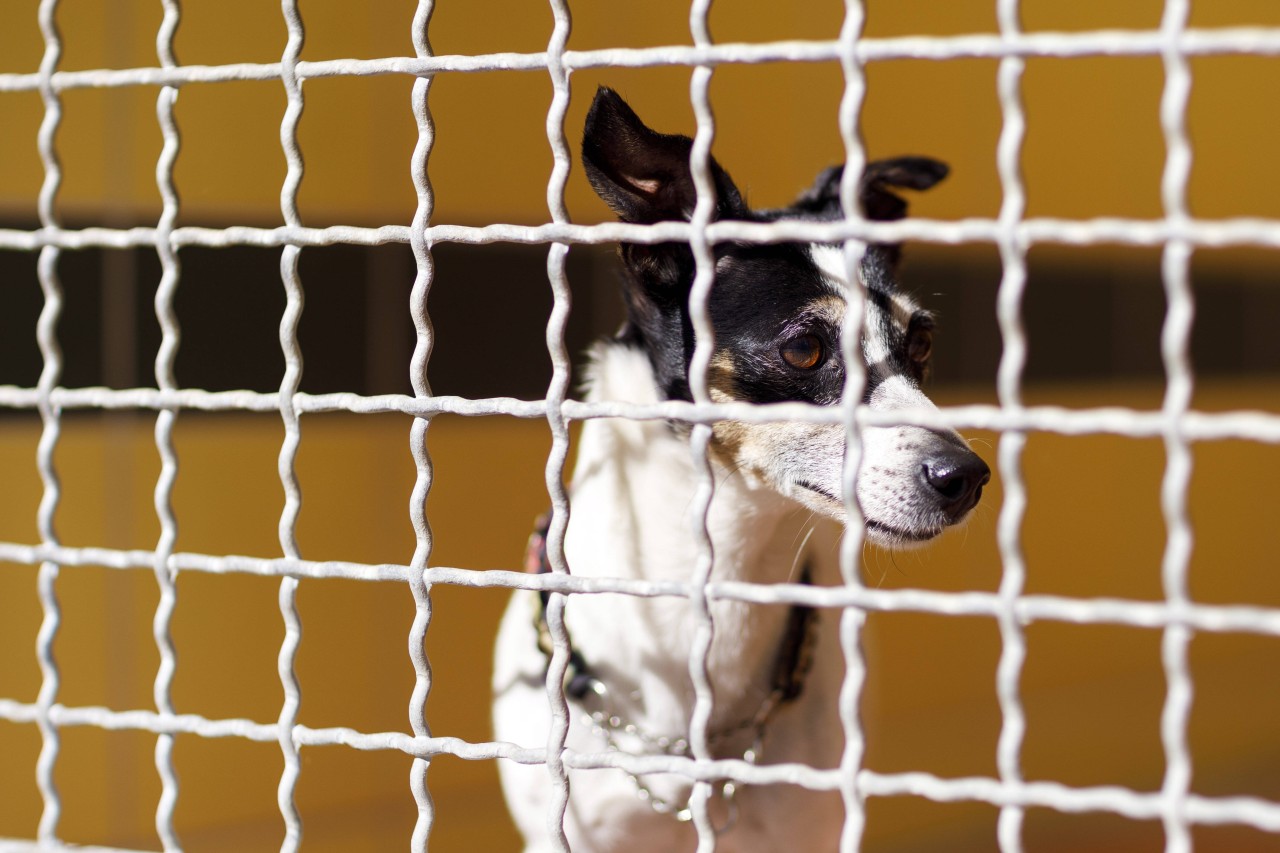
(1093, 145)
(1093, 148)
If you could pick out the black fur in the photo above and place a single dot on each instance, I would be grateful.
(822, 200)
(763, 294)
(644, 175)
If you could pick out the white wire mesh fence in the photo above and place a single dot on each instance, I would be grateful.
(1177, 617)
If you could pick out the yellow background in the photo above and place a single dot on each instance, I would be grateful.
(1093, 694)
(1093, 144)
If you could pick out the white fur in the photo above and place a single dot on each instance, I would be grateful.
(632, 487)
(835, 272)
(633, 474)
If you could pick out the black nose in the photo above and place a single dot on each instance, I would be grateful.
(957, 476)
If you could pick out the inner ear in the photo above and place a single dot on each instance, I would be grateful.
(647, 186)
(641, 174)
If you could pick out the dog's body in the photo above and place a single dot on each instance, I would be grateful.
(777, 312)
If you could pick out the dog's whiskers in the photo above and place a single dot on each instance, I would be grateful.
(795, 564)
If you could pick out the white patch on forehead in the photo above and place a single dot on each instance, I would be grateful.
(830, 262)
(875, 347)
(875, 344)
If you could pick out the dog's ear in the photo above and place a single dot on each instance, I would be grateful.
(913, 173)
(644, 175)
(874, 190)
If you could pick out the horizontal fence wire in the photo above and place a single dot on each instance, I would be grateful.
(1214, 618)
(1176, 423)
(1205, 234)
(1196, 426)
(15, 845)
(1254, 811)
(1255, 41)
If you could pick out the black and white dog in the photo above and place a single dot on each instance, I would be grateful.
(776, 671)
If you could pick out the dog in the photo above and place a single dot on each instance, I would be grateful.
(776, 514)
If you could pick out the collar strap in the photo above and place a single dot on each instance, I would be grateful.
(578, 677)
(795, 656)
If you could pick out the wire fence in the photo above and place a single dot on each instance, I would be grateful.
(1177, 616)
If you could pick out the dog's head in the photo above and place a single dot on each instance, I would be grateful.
(777, 312)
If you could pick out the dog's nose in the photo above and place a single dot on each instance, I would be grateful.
(957, 475)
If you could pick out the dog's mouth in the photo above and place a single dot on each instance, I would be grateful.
(814, 487)
(878, 531)
(887, 535)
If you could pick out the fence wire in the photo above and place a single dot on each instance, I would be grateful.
(425, 338)
(1013, 358)
(852, 620)
(1177, 617)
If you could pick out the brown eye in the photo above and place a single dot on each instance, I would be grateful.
(802, 353)
(920, 345)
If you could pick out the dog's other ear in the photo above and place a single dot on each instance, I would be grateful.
(913, 173)
(644, 175)
(878, 202)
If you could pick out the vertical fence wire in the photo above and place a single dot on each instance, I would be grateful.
(424, 266)
(1013, 358)
(425, 340)
(700, 438)
(289, 447)
(558, 389)
(164, 372)
(852, 619)
(51, 423)
(1175, 348)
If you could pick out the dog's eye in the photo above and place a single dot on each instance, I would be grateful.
(920, 345)
(803, 353)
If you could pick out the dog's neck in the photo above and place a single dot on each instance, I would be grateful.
(632, 491)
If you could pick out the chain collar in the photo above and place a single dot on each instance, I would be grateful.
(795, 658)
(611, 728)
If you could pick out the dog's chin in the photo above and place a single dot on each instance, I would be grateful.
(884, 534)
(899, 538)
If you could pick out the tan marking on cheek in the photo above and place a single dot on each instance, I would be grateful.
(727, 440)
(747, 447)
(721, 384)
(740, 446)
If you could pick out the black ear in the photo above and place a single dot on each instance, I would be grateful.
(878, 202)
(644, 175)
